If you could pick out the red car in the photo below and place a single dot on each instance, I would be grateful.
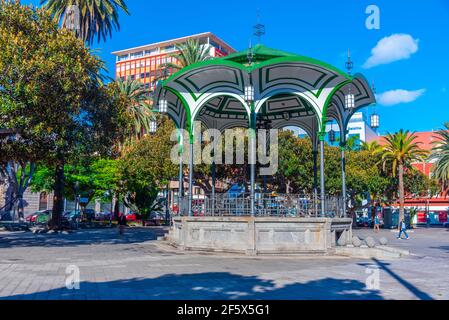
(131, 217)
(32, 217)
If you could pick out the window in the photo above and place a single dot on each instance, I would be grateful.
(137, 54)
(151, 51)
(43, 201)
(122, 57)
(170, 48)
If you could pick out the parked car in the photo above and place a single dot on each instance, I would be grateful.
(364, 222)
(155, 219)
(104, 216)
(32, 217)
(42, 216)
(131, 217)
(89, 214)
(71, 215)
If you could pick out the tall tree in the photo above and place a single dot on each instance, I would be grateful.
(440, 153)
(94, 18)
(49, 93)
(146, 167)
(372, 147)
(189, 53)
(132, 99)
(399, 152)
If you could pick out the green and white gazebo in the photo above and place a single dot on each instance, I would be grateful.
(261, 83)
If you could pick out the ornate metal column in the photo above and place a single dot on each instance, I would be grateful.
(323, 191)
(252, 161)
(213, 169)
(315, 178)
(181, 181)
(343, 179)
(190, 177)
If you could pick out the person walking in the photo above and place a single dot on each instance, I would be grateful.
(427, 220)
(376, 224)
(122, 224)
(402, 230)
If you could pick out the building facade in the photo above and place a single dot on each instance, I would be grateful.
(144, 63)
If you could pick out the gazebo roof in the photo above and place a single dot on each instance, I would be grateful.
(259, 52)
(289, 89)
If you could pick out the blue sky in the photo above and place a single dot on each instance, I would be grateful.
(410, 64)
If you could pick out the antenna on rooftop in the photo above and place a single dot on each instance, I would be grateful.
(259, 29)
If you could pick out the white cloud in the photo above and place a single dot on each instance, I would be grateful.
(393, 97)
(393, 48)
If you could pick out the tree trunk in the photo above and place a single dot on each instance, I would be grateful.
(401, 194)
(116, 207)
(58, 198)
(287, 187)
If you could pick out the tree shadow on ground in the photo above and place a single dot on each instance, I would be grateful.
(406, 284)
(210, 286)
(79, 238)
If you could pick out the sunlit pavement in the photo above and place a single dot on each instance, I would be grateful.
(138, 267)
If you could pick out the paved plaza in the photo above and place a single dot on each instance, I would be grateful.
(139, 267)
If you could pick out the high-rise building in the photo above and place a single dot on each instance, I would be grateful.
(144, 62)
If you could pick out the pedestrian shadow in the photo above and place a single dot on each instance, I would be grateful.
(210, 286)
(80, 238)
(410, 287)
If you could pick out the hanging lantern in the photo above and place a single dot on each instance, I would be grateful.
(153, 126)
(249, 93)
(350, 101)
(332, 137)
(163, 105)
(375, 121)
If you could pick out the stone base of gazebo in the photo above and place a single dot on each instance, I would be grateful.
(260, 235)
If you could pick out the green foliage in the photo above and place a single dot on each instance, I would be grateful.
(440, 153)
(146, 167)
(98, 179)
(401, 149)
(135, 113)
(295, 163)
(190, 53)
(98, 18)
(48, 87)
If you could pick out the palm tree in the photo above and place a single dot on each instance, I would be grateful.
(133, 97)
(399, 152)
(190, 52)
(372, 147)
(440, 153)
(97, 18)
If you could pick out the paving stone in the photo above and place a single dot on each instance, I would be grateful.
(34, 267)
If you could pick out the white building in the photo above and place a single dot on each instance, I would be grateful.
(357, 127)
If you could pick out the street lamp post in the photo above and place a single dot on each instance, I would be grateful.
(249, 97)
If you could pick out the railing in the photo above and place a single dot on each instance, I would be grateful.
(266, 205)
